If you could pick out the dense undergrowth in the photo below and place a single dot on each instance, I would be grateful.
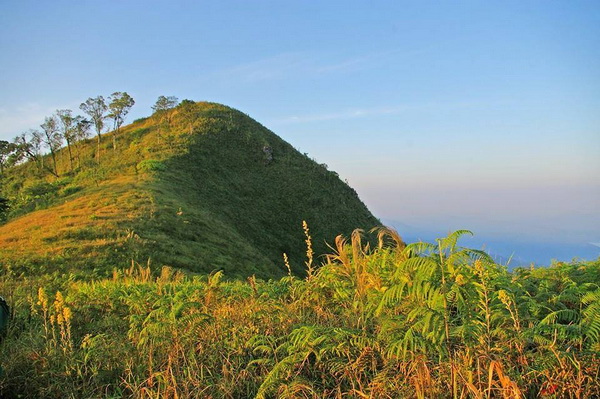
(419, 321)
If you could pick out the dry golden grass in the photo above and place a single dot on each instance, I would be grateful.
(87, 221)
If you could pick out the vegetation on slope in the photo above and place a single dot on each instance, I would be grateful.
(200, 186)
(423, 320)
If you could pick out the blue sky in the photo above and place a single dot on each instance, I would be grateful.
(443, 115)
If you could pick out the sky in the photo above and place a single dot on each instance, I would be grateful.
(482, 115)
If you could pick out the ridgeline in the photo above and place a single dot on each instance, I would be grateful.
(201, 188)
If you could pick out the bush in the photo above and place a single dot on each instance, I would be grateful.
(40, 189)
(63, 181)
(4, 208)
(71, 189)
(151, 165)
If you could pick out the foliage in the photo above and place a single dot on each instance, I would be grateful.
(52, 139)
(151, 165)
(40, 189)
(6, 151)
(68, 130)
(4, 208)
(119, 106)
(96, 109)
(163, 112)
(424, 320)
(164, 104)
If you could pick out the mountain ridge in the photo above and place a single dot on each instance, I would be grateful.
(217, 191)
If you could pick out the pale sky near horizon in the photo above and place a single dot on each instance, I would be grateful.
(442, 115)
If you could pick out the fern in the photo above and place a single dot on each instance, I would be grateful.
(591, 318)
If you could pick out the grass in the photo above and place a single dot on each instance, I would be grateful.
(209, 200)
(368, 323)
(160, 273)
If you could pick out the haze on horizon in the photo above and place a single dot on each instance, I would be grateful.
(442, 116)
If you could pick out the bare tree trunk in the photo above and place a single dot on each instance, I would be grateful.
(78, 155)
(54, 162)
(70, 155)
(98, 150)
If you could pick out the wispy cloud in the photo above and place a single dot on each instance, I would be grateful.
(277, 67)
(346, 114)
(300, 64)
(367, 112)
(357, 63)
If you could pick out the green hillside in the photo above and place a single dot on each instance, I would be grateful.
(203, 188)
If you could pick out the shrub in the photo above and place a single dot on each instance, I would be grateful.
(70, 190)
(4, 208)
(40, 189)
(63, 181)
(151, 165)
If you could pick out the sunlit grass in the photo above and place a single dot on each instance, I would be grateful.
(201, 201)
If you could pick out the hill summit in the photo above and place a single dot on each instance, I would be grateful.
(200, 187)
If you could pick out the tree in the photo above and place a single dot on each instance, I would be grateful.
(164, 104)
(163, 109)
(52, 139)
(96, 109)
(82, 132)
(36, 145)
(22, 149)
(67, 130)
(6, 150)
(120, 104)
(28, 145)
(187, 109)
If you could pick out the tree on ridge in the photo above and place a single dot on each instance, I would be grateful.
(187, 109)
(52, 139)
(81, 133)
(67, 127)
(164, 105)
(96, 109)
(119, 106)
(163, 110)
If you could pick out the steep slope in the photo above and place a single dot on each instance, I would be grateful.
(205, 188)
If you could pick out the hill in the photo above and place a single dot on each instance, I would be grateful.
(203, 188)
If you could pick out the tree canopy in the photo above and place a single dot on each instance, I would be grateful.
(119, 106)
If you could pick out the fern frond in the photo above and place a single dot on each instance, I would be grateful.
(449, 242)
(561, 316)
(419, 248)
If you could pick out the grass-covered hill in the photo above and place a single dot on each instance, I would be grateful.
(201, 188)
